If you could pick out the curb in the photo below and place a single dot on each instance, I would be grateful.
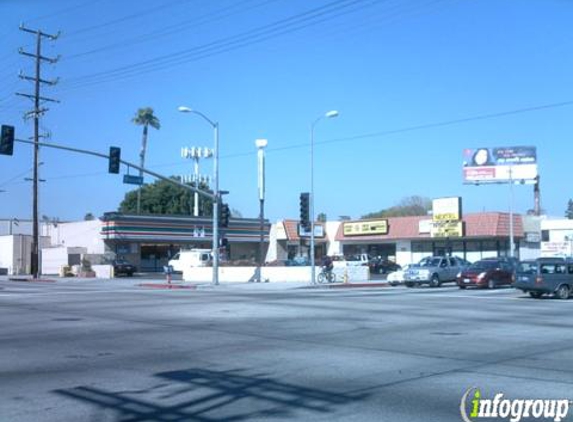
(31, 280)
(168, 286)
(349, 285)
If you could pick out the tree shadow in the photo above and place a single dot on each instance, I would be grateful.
(207, 395)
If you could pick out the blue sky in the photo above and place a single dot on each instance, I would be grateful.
(396, 70)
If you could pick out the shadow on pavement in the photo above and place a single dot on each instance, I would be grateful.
(206, 395)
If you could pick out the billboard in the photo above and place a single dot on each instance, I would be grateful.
(500, 165)
(362, 228)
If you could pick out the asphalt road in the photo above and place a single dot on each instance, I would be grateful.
(113, 351)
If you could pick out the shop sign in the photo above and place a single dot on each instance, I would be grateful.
(447, 229)
(304, 232)
(447, 209)
(362, 228)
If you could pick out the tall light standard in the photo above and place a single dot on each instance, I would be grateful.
(215, 247)
(261, 144)
(511, 240)
(328, 115)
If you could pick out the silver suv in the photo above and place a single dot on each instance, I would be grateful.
(434, 270)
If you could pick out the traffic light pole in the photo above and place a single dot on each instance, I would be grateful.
(127, 163)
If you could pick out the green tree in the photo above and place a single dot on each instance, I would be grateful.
(409, 206)
(89, 217)
(569, 210)
(321, 217)
(163, 197)
(145, 118)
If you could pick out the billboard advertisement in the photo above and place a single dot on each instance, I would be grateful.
(500, 165)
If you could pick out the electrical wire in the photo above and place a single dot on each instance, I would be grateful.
(174, 29)
(284, 26)
(366, 135)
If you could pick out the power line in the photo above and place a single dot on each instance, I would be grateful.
(177, 28)
(284, 26)
(65, 10)
(125, 18)
(368, 135)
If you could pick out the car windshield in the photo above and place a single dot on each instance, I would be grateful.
(527, 268)
(121, 262)
(484, 265)
(430, 262)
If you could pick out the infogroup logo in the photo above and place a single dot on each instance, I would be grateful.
(474, 407)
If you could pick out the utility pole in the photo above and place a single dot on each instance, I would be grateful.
(36, 112)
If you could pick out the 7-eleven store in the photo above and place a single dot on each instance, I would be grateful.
(150, 241)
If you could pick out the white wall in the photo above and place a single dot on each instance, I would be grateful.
(53, 259)
(273, 274)
(15, 253)
(7, 253)
(404, 252)
(81, 233)
(334, 246)
(273, 244)
(560, 237)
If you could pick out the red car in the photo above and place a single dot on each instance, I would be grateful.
(488, 273)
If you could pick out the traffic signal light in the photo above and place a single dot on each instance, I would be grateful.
(224, 215)
(114, 159)
(7, 140)
(305, 209)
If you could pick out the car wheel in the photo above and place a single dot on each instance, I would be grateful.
(562, 292)
(491, 284)
(409, 284)
(435, 281)
(535, 295)
(462, 287)
(130, 274)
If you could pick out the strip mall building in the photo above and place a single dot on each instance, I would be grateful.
(409, 239)
(149, 241)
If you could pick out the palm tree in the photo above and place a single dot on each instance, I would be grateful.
(145, 118)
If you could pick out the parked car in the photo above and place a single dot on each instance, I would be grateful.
(382, 266)
(434, 271)
(397, 277)
(121, 266)
(545, 276)
(488, 273)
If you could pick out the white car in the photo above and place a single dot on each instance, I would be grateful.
(397, 277)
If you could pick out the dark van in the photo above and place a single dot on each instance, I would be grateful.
(545, 276)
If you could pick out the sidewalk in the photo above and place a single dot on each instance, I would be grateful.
(160, 282)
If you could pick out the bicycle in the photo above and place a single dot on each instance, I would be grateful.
(326, 276)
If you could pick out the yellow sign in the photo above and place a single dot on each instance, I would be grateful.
(447, 229)
(362, 228)
(446, 209)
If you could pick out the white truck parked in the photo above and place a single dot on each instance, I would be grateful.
(190, 258)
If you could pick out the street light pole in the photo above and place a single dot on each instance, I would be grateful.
(329, 115)
(261, 144)
(511, 240)
(217, 199)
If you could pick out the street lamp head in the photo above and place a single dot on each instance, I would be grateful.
(331, 114)
(184, 109)
(261, 143)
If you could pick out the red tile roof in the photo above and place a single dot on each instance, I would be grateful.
(489, 224)
(291, 227)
